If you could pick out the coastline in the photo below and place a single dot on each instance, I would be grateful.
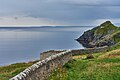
(18, 67)
(47, 55)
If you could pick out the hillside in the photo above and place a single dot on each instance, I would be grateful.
(104, 35)
(104, 66)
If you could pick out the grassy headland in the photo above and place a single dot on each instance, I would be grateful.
(105, 34)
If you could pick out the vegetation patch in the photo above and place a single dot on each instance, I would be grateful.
(7, 72)
(104, 66)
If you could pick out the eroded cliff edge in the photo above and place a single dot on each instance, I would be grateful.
(105, 34)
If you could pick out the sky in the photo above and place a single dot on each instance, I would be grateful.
(58, 12)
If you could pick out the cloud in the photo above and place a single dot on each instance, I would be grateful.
(94, 2)
(58, 12)
(114, 20)
(22, 21)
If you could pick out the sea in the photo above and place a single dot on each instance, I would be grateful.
(23, 44)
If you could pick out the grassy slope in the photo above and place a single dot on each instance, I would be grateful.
(105, 66)
(7, 72)
(105, 28)
(104, 34)
(109, 36)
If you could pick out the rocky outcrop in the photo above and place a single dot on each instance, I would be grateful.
(104, 35)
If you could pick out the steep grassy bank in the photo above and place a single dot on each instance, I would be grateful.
(104, 66)
(7, 72)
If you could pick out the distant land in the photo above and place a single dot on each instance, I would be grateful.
(40, 27)
(43, 26)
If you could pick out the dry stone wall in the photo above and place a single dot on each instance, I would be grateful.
(74, 52)
(42, 69)
(89, 50)
(50, 60)
(49, 53)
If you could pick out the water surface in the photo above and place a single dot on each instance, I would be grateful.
(25, 44)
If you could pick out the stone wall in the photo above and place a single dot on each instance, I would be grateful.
(50, 60)
(74, 52)
(89, 50)
(49, 53)
(42, 69)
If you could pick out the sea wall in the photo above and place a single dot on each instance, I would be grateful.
(42, 69)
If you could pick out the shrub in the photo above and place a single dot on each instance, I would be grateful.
(89, 56)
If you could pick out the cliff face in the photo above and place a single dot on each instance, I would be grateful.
(104, 35)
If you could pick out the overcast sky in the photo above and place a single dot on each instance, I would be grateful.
(58, 12)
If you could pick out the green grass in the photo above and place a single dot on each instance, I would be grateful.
(105, 28)
(114, 47)
(7, 72)
(105, 66)
(106, 32)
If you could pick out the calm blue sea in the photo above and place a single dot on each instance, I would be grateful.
(26, 44)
